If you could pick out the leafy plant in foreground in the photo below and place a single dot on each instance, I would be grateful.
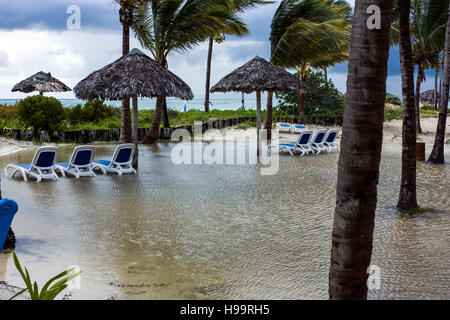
(48, 292)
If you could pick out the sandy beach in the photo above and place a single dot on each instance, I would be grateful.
(392, 136)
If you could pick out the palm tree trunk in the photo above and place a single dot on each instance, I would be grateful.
(301, 108)
(208, 73)
(135, 131)
(436, 88)
(165, 114)
(408, 193)
(268, 125)
(325, 71)
(417, 100)
(362, 135)
(437, 155)
(153, 133)
(125, 126)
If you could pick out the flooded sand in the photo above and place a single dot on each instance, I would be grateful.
(220, 232)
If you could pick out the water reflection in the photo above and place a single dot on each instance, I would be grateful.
(209, 232)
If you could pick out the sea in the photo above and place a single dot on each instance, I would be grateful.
(174, 104)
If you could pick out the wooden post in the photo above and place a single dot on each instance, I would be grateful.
(258, 119)
(135, 134)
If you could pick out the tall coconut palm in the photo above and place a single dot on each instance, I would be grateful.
(218, 39)
(310, 33)
(428, 25)
(127, 12)
(172, 26)
(437, 155)
(239, 6)
(362, 135)
(408, 194)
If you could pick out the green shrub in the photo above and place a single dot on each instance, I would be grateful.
(392, 99)
(93, 111)
(41, 112)
(323, 102)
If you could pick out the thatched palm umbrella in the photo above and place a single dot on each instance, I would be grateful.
(42, 82)
(133, 75)
(258, 75)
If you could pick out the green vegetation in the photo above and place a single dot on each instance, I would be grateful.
(392, 99)
(395, 113)
(48, 292)
(414, 211)
(323, 102)
(96, 115)
(40, 112)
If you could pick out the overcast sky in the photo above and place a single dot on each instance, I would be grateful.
(34, 37)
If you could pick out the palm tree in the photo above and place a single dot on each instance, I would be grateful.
(310, 33)
(362, 135)
(127, 13)
(428, 25)
(168, 26)
(408, 194)
(212, 39)
(239, 6)
(437, 155)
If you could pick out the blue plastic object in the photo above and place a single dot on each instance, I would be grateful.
(8, 209)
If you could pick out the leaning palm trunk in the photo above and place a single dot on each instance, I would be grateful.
(208, 74)
(268, 125)
(417, 99)
(437, 155)
(165, 114)
(153, 133)
(408, 194)
(362, 135)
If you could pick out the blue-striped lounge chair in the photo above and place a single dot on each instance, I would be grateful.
(42, 167)
(317, 142)
(80, 163)
(283, 127)
(121, 161)
(330, 140)
(8, 209)
(297, 128)
(302, 145)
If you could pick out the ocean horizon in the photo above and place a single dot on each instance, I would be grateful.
(174, 104)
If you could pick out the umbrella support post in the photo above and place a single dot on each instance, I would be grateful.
(258, 119)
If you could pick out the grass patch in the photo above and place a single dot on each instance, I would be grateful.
(392, 112)
(415, 211)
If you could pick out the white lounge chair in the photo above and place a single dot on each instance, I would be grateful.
(121, 161)
(42, 167)
(318, 141)
(80, 163)
(283, 127)
(297, 128)
(330, 140)
(302, 145)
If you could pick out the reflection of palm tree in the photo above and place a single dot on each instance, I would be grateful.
(359, 162)
(310, 33)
